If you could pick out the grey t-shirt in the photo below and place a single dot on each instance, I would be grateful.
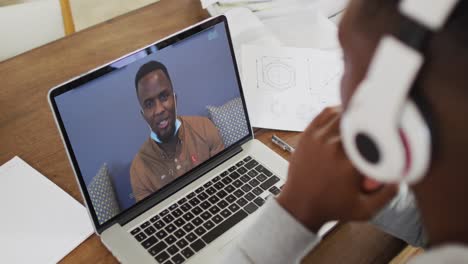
(261, 244)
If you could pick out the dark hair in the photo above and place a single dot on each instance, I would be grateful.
(149, 67)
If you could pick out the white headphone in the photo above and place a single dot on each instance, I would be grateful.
(384, 133)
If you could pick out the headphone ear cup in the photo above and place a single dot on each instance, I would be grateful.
(416, 136)
(373, 144)
(384, 152)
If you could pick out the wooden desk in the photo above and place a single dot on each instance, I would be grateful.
(27, 128)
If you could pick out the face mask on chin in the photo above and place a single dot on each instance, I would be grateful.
(156, 138)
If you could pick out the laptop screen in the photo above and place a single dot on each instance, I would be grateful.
(137, 125)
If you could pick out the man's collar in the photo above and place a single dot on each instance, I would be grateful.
(156, 138)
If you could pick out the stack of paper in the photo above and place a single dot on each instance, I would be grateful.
(246, 28)
(275, 8)
(40, 222)
(286, 87)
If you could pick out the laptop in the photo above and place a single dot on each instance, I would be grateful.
(162, 148)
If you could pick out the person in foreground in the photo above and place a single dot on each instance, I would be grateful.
(176, 143)
(323, 183)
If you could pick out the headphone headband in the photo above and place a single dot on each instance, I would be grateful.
(433, 14)
(393, 65)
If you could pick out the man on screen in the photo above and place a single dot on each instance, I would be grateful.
(176, 143)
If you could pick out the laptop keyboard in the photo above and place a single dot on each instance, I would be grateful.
(188, 225)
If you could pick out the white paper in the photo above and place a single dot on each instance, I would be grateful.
(246, 28)
(305, 28)
(40, 223)
(207, 3)
(285, 88)
(332, 7)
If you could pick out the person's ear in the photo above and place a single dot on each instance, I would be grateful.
(143, 115)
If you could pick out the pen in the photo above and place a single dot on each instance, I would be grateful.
(282, 144)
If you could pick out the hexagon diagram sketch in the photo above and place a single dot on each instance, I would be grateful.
(276, 74)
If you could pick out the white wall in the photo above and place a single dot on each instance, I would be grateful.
(28, 25)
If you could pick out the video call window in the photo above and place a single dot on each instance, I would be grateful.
(155, 116)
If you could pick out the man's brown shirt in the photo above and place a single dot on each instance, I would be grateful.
(151, 168)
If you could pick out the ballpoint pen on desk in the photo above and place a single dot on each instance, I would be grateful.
(222, 6)
(242, 1)
(282, 144)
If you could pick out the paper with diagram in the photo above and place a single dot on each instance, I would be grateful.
(285, 88)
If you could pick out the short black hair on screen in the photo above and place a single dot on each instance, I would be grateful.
(149, 67)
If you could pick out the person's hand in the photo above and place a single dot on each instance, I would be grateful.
(322, 183)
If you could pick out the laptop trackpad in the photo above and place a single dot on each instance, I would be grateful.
(228, 245)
